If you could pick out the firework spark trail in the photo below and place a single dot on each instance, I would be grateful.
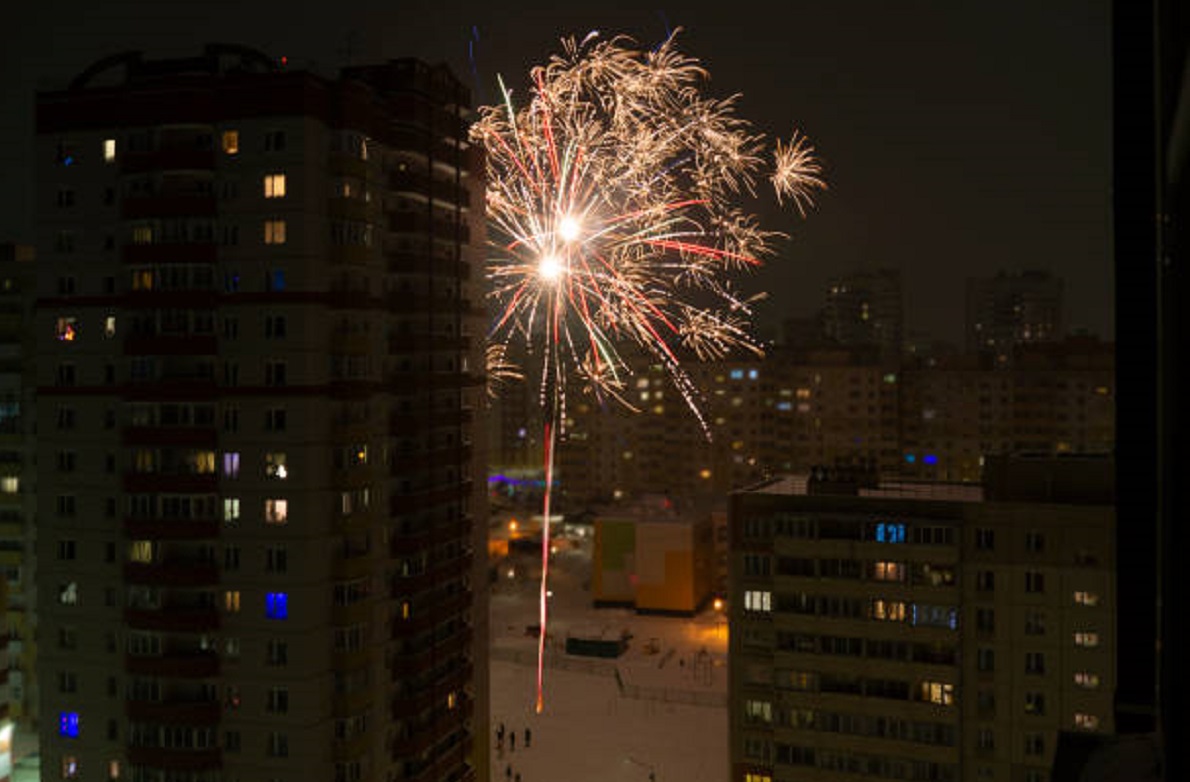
(610, 199)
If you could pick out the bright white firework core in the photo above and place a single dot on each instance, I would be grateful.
(568, 229)
(549, 267)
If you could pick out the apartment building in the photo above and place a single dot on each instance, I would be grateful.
(17, 472)
(920, 631)
(259, 351)
(797, 408)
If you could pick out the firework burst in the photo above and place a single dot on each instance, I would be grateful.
(611, 201)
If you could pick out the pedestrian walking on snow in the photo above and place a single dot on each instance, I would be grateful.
(528, 737)
(512, 740)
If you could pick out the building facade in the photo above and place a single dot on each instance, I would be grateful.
(258, 343)
(866, 308)
(1013, 309)
(914, 631)
(793, 409)
(17, 474)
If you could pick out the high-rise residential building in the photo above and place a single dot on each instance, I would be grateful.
(921, 631)
(866, 308)
(935, 419)
(258, 355)
(17, 472)
(1013, 309)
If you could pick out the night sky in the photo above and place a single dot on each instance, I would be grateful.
(958, 138)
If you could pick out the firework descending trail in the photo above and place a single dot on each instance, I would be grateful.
(610, 201)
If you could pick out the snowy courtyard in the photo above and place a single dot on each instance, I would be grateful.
(659, 709)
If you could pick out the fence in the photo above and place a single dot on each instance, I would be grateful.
(604, 668)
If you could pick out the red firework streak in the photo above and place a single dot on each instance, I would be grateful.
(545, 562)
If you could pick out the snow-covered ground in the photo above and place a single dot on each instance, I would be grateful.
(660, 708)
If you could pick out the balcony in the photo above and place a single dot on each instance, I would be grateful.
(175, 574)
(183, 620)
(174, 712)
(407, 424)
(175, 759)
(181, 483)
(420, 461)
(176, 436)
(417, 343)
(171, 529)
(177, 252)
(412, 263)
(166, 205)
(170, 345)
(199, 665)
(420, 739)
(428, 498)
(167, 160)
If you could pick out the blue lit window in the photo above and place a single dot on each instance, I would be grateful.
(737, 374)
(68, 724)
(276, 605)
(753, 374)
(785, 405)
(910, 458)
(888, 532)
(930, 458)
(278, 281)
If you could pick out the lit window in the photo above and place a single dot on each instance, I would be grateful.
(276, 605)
(1086, 721)
(109, 326)
(737, 374)
(452, 700)
(888, 571)
(759, 601)
(274, 466)
(231, 510)
(68, 594)
(937, 692)
(231, 464)
(750, 777)
(10, 484)
(113, 769)
(140, 551)
(202, 462)
(888, 610)
(109, 150)
(1089, 599)
(276, 511)
(274, 186)
(70, 767)
(231, 142)
(66, 329)
(1086, 639)
(758, 711)
(231, 601)
(1086, 680)
(887, 532)
(274, 232)
(68, 724)
(142, 234)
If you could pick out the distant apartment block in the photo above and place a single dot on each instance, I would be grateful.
(796, 408)
(259, 354)
(1013, 309)
(866, 308)
(921, 631)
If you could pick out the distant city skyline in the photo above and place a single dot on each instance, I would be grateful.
(958, 142)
